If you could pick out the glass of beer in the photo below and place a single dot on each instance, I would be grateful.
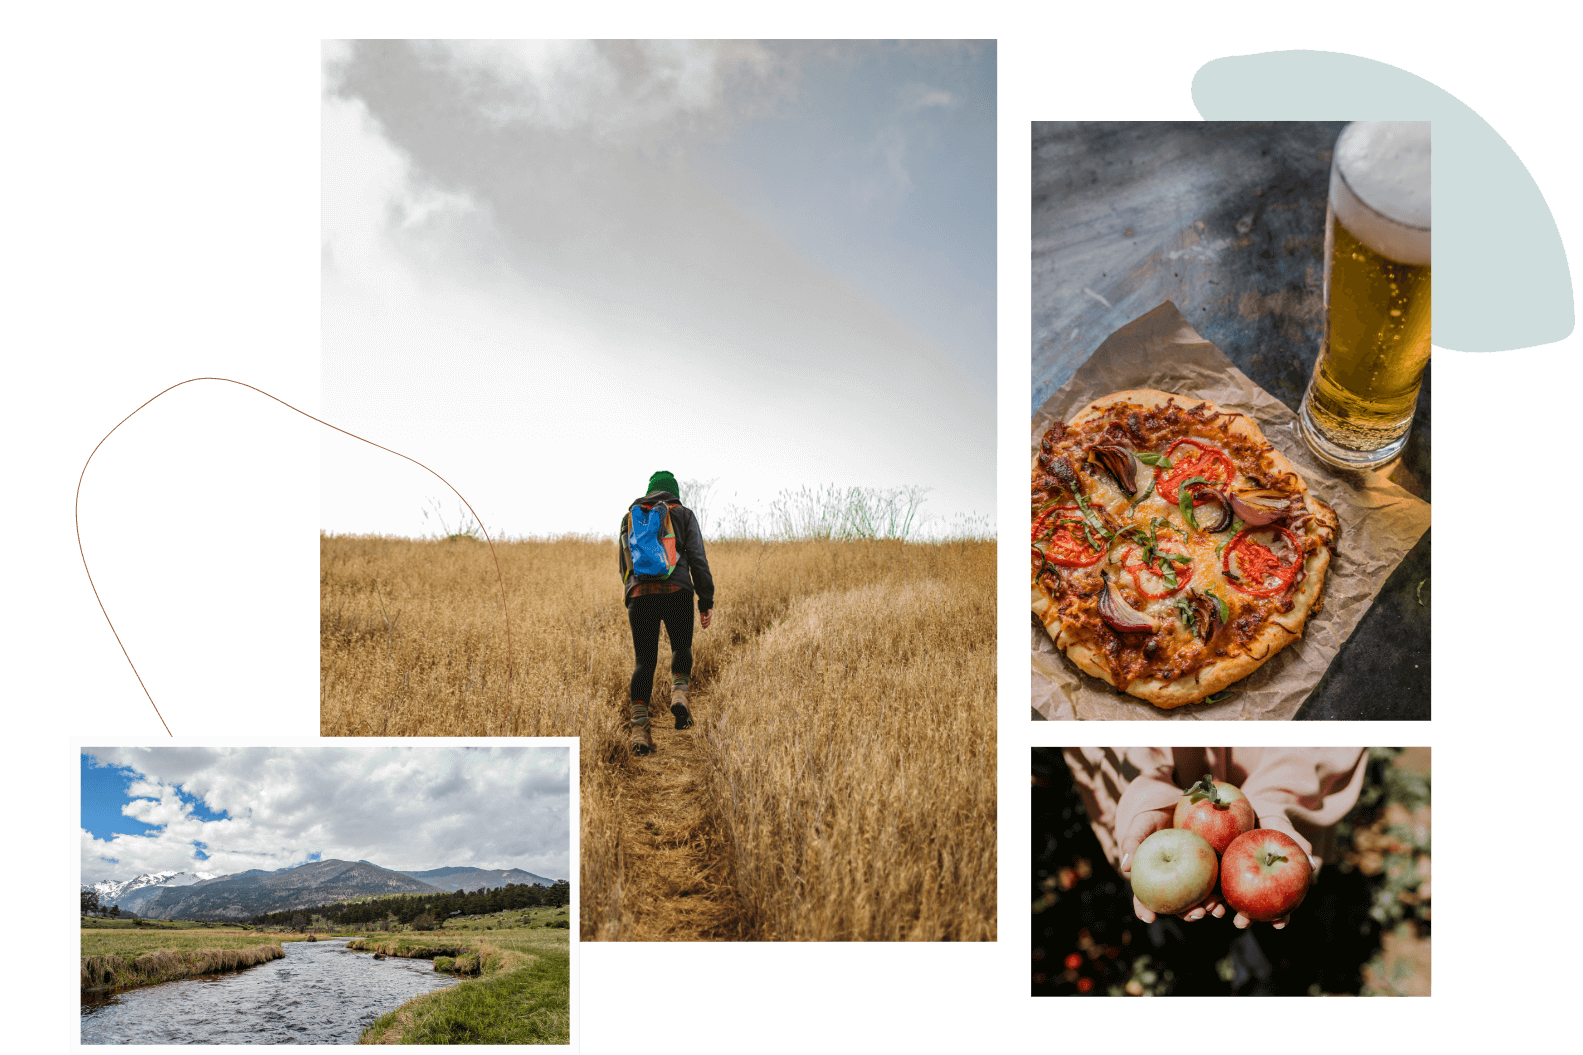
(1359, 404)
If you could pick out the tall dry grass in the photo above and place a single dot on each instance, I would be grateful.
(892, 712)
(165, 965)
(853, 760)
(412, 640)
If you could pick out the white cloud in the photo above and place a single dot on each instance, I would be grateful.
(401, 808)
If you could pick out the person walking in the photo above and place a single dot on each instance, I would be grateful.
(663, 566)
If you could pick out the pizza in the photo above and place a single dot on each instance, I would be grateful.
(1174, 550)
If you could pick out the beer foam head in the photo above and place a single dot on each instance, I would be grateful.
(1379, 187)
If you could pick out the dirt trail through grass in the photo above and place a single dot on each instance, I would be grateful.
(677, 884)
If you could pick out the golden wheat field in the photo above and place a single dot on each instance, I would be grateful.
(839, 783)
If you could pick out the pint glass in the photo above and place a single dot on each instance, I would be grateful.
(1359, 404)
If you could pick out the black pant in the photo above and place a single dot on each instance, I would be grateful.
(645, 613)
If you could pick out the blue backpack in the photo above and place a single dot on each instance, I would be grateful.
(651, 540)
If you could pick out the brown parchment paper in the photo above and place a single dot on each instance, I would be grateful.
(1380, 523)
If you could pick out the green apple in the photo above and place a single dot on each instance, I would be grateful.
(1173, 870)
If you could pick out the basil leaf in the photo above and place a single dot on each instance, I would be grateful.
(1184, 501)
(1088, 515)
(1159, 460)
(1185, 610)
(1146, 493)
(1226, 613)
(1219, 697)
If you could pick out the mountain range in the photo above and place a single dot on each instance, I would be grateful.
(202, 895)
(449, 879)
(133, 894)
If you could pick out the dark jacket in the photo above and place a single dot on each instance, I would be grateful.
(692, 567)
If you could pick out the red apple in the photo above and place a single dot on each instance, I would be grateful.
(1264, 874)
(1218, 812)
(1173, 870)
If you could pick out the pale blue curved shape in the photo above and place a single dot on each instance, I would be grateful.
(1501, 276)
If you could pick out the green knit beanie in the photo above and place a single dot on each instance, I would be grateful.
(664, 481)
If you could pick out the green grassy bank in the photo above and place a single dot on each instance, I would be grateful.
(517, 987)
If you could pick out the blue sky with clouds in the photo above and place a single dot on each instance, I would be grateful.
(228, 809)
(551, 268)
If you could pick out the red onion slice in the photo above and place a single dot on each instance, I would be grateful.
(1119, 615)
(1262, 507)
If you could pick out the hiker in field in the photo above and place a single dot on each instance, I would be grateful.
(661, 549)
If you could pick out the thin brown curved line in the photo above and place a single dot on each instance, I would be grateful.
(77, 502)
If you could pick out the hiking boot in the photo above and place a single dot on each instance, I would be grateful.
(642, 739)
(684, 717)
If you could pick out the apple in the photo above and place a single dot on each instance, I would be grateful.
(1173, 870)
(1218, 812)
(1264, 874)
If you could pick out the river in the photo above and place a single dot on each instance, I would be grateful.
(320, 993)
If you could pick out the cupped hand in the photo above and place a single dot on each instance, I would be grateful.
(703, 617)
(1144, 825)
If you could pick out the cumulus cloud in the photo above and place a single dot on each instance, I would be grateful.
(404, 808)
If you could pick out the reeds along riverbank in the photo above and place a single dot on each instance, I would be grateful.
(165, 965)
(406, 948)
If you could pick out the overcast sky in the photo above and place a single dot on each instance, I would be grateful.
(551, 268)
(405, 808)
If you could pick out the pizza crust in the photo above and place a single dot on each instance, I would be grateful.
(1278, 630)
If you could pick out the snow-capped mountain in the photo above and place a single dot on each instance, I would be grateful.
(110, 891)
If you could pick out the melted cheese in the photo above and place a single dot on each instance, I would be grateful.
(1206, 574)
